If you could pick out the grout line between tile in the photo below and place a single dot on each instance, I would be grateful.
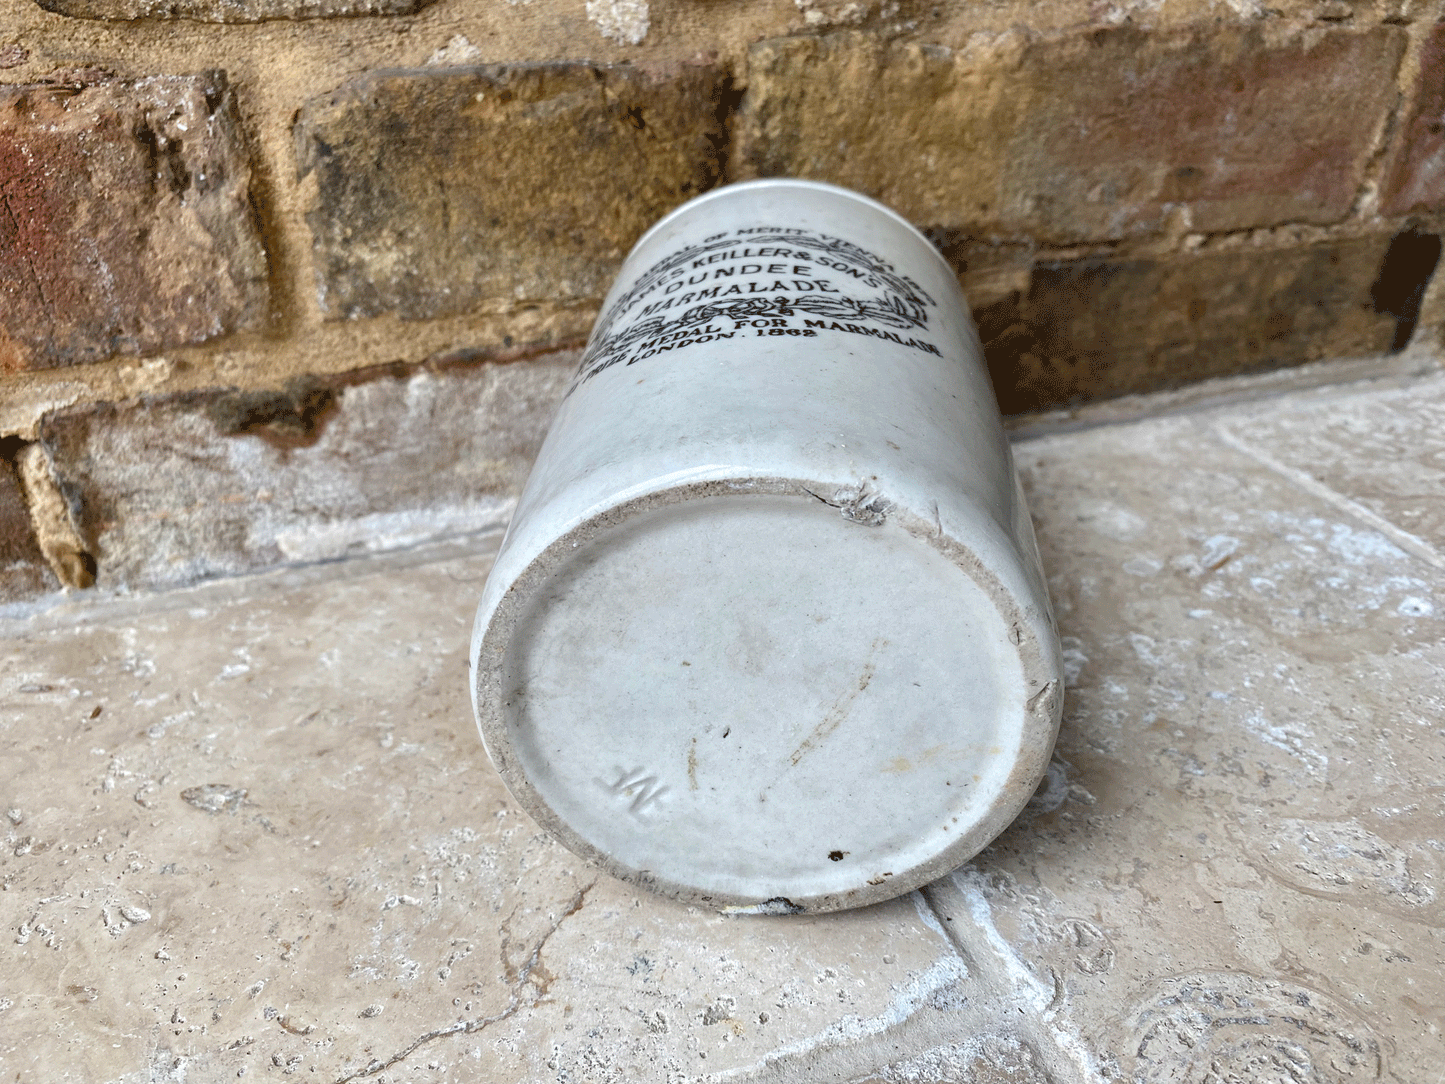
(1004, 976)
(1411, 544)
(855, 1048)
(1316, 382)
(912, 1025)
(65, 610)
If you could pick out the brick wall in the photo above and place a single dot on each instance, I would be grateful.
(284, 279)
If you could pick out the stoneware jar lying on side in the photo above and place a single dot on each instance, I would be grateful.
(768, 631)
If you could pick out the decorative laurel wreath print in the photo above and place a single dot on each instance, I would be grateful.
(891, 300)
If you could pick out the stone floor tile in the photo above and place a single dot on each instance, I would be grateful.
(251, 828)
(1234, 869)
(989, 1059)
(1381, 450)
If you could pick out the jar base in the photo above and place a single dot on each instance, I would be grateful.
(762, 700)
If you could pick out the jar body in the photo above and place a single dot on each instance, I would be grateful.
(768, 630)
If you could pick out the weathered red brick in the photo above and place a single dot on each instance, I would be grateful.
(1085, 136)
(125, 219)
(1239, 130)
(442, 189)
(229, 11)
(1095, 328)
(1415, 177)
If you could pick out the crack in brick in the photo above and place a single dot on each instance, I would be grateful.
(28, 258)
(515, 1003)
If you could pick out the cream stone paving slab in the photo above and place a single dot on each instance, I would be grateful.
(251, 830)
(1234, 869)
(1381, 450)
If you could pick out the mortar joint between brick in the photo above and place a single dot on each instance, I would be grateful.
(730, 95)
(286, 306)
(54, 517)
(1365, 205)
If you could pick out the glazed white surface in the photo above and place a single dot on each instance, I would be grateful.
(691, 684)
(684, 494)
(853, 411)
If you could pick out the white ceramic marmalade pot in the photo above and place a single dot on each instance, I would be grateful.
(768, 631)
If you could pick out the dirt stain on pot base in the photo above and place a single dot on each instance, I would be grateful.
(841, 707)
